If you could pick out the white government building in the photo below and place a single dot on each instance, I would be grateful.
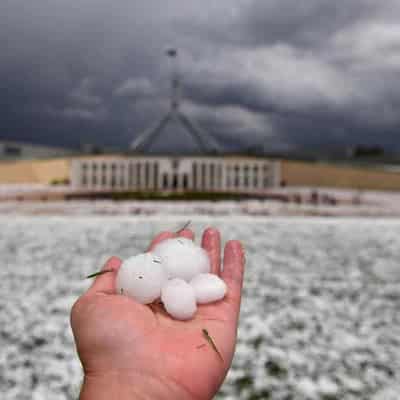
(223, 174)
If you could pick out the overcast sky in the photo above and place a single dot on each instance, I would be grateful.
(284, 74)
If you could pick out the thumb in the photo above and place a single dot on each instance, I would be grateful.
(105, 283)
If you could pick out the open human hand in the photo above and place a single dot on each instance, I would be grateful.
(135, 351)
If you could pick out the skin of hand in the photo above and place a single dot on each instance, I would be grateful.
(135, 351)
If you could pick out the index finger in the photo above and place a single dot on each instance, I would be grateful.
(232, 273)
(211, 242)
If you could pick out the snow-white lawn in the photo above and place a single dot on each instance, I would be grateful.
(320, 316)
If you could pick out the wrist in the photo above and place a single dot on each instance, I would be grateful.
(131, 386)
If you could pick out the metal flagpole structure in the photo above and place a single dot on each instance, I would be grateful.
(205, 142)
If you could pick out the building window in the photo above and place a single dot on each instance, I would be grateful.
(203, 176)
(255, 176)
(113, 175)
(185, 182)
(147, 175)
(94, 174)
(175, 181)
(228, 176)
(212, 176)
(103, 174)
(84, 174)
(122, 177)
(236, 178)
(175, 164)
(194, 175)
(155, 170)
(219, 180)
(246, 176)
(165, 181)
(266, 177)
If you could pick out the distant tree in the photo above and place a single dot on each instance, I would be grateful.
(368, 151)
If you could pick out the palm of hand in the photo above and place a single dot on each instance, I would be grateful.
(114, 334)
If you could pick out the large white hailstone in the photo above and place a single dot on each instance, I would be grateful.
(208, 288)
(182, 258)
(141, 277)
(179, 299)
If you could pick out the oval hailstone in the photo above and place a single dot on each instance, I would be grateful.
(208, 288)
(179, 299)
(182, 258)
(141, 277)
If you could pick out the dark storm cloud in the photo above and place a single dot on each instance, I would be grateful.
(283, 74)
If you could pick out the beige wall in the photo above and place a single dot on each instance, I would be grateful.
(311, 174)
(43, 171)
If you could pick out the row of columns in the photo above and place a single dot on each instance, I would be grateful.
(150, 175)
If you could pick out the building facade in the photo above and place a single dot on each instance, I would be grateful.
(175, 174)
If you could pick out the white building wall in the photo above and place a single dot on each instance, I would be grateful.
(175, 174)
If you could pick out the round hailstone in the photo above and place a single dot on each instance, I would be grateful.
(182, 258)
(208, 288)
(141, 277)
(179, 299)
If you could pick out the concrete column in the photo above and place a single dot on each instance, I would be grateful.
(208, 176)
(204, 181)
(129, 174)
(228, 176)
(126, 174)
(133, 176)
(200, 185)
(76, 174)
(179, 185)
(119, 174)
(218, 186)
(143, 183)
(223, 176)
(190, 175)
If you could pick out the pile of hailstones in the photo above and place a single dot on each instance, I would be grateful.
(177, 271)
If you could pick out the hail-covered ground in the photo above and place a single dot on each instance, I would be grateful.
(320, 315)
